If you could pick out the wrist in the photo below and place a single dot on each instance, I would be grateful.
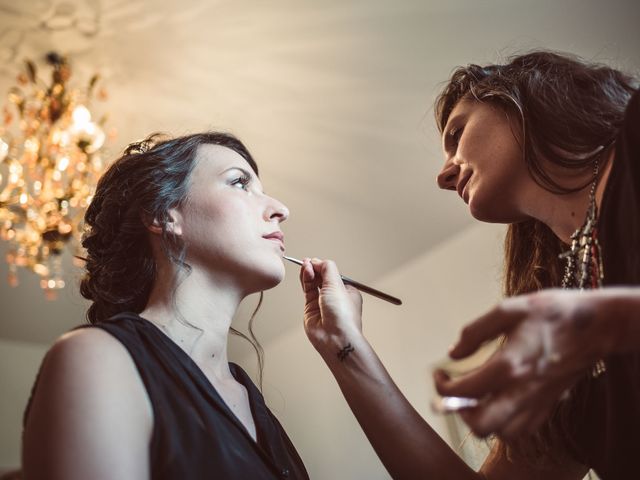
(339, 347)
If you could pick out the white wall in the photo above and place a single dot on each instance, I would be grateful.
(19, 363)
(441, 290)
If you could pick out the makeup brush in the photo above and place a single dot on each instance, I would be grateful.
(360, 286)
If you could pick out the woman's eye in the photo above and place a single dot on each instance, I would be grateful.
(455, 134)
(243, 182)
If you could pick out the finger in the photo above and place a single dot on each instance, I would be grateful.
(310, 283)
(520, 410)
(355, 294)
(519, 425)
(328, 272)
(512, 412)
(486, 379)
(487, 418)
(538, 420)
(496, 321)
(440, 377)
(529, 419)
(306, 271)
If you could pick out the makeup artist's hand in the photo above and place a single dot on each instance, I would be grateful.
(552, 339)
(333, 310)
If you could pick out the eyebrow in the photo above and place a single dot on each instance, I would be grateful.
(243, 170)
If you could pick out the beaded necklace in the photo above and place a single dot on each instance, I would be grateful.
(584, 269)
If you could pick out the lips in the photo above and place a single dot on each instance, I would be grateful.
(276, 237)
(462, 183)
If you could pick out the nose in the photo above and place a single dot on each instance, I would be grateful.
(277, 210)
(448, 176)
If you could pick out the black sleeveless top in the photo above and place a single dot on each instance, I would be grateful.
(195, 435)
(607, 432)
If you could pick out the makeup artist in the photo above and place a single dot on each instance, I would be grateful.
(550, 145)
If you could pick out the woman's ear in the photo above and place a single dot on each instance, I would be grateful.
(173, 225)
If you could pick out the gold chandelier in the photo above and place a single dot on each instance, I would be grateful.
(49, 166)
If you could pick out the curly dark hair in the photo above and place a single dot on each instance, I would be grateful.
(151, 177)
(568, 112)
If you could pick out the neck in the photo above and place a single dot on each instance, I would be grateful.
(564, 214)
(195, 312)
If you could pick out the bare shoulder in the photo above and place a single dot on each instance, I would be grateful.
(498, 467)
(92, 345)
(83, 341)
(89, 400)
(93, 361)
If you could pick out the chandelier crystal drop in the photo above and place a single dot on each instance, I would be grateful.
(50, 162)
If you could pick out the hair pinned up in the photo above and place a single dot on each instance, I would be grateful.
(146, 181)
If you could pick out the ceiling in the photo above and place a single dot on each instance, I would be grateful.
(333, 97)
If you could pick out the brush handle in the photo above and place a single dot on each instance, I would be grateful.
(371, 291)
(360, 286)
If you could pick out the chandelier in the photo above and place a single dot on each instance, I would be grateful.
(49, 166)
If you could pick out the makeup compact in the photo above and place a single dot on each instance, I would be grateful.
(458, 368)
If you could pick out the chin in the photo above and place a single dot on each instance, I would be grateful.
(274, 281)
(268, 277)
(491, 214)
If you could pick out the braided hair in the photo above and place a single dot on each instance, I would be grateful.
(151, 177)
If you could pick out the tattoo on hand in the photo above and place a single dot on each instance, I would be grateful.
(344, 353)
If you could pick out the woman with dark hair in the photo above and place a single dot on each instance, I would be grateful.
(178, 233)
(551, 146)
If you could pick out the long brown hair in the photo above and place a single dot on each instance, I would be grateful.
(568, 112)
(146, 181)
